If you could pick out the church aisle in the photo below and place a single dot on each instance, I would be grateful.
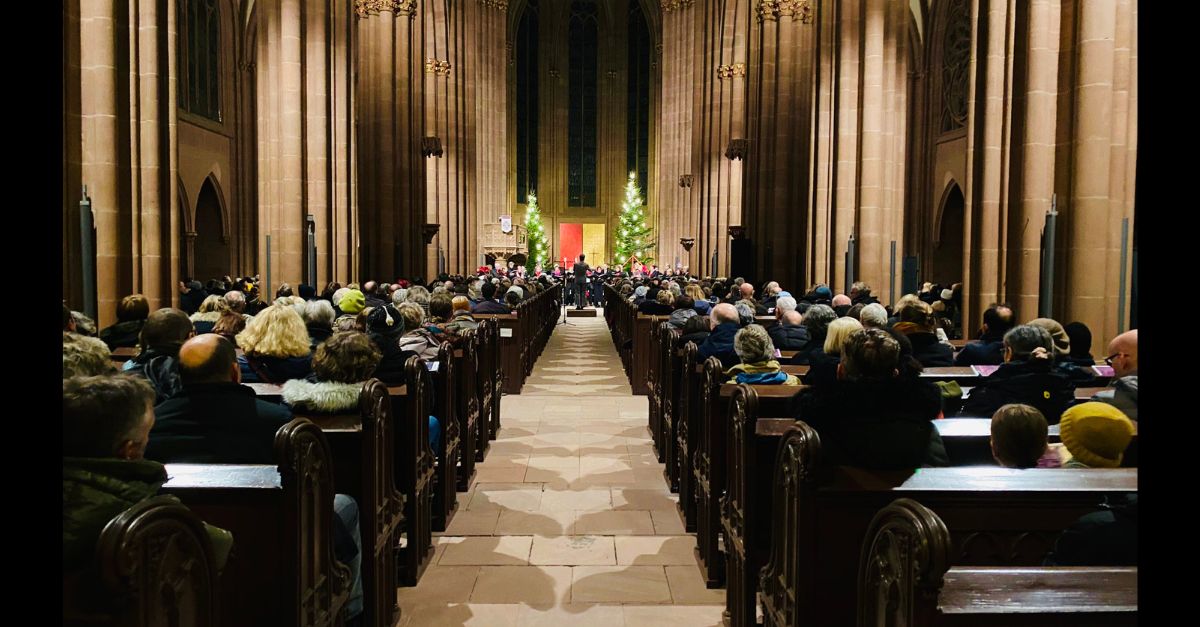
(569, 518)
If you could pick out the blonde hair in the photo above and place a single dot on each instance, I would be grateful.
(278, 331)
(694, 292)
(907, 299)
(214, 303)
(839, 330)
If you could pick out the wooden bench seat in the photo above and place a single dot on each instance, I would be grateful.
(906, 579)
(281, 570)
(821, 514)
(968, 441)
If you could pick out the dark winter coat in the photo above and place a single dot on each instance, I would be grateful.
(216, 423)
(929, 351)
(1033, 382)
(789, 336)
(719, 344)
(122, 334)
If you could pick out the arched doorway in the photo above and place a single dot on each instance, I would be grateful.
(211, 244)
(948, 247)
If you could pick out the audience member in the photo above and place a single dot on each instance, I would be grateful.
(1019, 435)
(209, 312)
(1080, 337)
(823, 365)
(489, 304)
(1027, 376)
(790, 333)
(85, 356)
(229, 325)
(132, 312)
(870, 417)
(719, 342)
(340, 366)
(695, 330)
(276, 346)
(816, 320)
(684, 310)
(841, 305)
(873, 316)
(757, 354)
(162, 335)
(861, 293)
(989, 348)
(1095, 435)
(658, 305)
(1123, 357)
(917, 324)
(699, 302)
(318, 320)
(460, 317)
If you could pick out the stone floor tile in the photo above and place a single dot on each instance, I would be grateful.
(620, 584)
(573, 551)
(488, 551)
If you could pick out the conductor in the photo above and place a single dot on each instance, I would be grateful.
(580, 270)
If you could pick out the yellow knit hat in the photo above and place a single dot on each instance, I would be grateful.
(353, 302)
(1096, 434)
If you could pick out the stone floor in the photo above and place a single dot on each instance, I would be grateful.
(569, 518)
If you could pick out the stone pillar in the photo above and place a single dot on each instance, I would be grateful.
(391, 168)
(780, 134)
(675, 133)
(1102, 163)
(120, 142)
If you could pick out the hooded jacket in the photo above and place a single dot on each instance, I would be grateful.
(325, 397)
(216, 423)
(96, 490)
(719, 344)
(884, 425)
(1033, 382)
(761, 373)
(122, 334)
(789, 336)
(159, 366)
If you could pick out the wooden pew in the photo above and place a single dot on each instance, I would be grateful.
(670, 363)
(154, 563)
(820, 514)
(282, 569)
(445, 407)
(491, 379)
(509, 351)
(414, 473)
(642, 354)
(687, 424)
(907, 579)
(363, 447)
(968, 441)
(753, 442)
(468, 387)
(653, 386)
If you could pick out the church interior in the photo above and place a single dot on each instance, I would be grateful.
(586, 249)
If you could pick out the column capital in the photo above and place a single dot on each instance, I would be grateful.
(367, 8)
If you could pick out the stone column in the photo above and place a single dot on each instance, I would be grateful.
(490, 69)
(120, 142)
(391, 169)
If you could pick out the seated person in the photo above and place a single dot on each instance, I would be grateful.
(685, 310)
(276, 346)
(719, 342)
(229, 325)
(860, 292)
(1080, 337)
(699, 302)
(460, 317)
(511, 301)
(132, 312)
(659, 306)
(823, 366)
(917, 324)
(747, 294)
(873, 316)
(385, 326)
(759, 367)
(871, 417)
(745, 311)
(162, 335)
(816, 320)
(340, 366)
(85, 356)
(1095, 435)
(1108, 537)
(1027, 376)
(416, 338)
(989, 348)
(841, 305)
(1123, 357)
(318, 319)
(106, 424)
(214, 419)
(208, 314)
(790, 333)
(695, 330)
(1019, 436)
(441, 307)
(488, 304)
(1080, 375)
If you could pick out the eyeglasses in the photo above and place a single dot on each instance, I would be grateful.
(1108, 360)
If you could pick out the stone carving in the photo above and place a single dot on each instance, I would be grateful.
(431, 146)
(737, 150)
(735, 70)
(686, 180)
(956, 66)
(676, 5)
(687, 243)
(429, 231)
(441, 68)
(772, 10)
(366, 8)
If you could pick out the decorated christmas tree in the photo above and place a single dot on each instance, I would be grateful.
(634, 236)
(535, 233)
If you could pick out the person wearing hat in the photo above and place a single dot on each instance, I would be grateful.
(1081, 375)
(352, 302)
(1095, 435)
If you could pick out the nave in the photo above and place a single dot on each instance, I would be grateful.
(569, 518)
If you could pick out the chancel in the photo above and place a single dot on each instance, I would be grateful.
(628, 312)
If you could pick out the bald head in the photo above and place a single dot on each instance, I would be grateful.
(792, 317)
(1124, 353)
(208, 358)
(841, 299)
(724, 312)
(747, 290)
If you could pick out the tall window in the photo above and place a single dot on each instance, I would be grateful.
(956, 66)
(638, 126)
(581, 117)
(527, 102)
(199, 67)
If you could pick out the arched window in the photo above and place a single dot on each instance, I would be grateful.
(527, 102)
(199, 61)
(638, 123)
(956, 65)
(581, 117)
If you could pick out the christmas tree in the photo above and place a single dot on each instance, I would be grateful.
(633, 234)
(539, 246)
